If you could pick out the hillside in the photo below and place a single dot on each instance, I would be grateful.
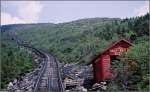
(79, 41)
(14, 61)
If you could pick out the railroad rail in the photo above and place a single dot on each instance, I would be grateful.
(49, 78)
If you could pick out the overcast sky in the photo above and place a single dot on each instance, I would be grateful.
(14, 12)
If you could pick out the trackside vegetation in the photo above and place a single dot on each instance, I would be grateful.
(79, 41)
(14, 61)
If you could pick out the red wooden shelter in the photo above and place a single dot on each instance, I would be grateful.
(102, 62)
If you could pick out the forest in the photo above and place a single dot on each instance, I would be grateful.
(81, 40)
(14, 61)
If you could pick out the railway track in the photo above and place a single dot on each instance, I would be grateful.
(49, 78)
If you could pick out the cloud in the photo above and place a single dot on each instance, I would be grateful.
(29, 10)
(26, 12)
(6, 18)
(142, 10)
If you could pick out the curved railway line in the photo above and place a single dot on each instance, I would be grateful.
(49, 78)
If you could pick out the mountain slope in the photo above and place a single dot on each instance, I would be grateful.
(14, 61)
(74, 41)
(79, 41)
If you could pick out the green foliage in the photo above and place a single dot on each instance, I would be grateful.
(140, 53)
(79, 41)
(136, 77)
(73, 41)
(14, 61)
